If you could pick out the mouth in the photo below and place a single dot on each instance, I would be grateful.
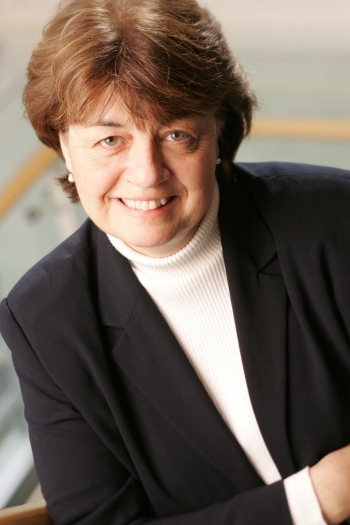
(146, 205)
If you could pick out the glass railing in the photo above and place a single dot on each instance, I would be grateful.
(42, 217)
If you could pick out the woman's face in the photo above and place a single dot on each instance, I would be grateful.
(149, 188)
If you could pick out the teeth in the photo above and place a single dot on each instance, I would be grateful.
(153, 205)
(145, 205)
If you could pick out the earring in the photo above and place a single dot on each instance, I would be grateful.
(218, 160)
(71, 177)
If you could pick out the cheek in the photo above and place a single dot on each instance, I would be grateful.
(198, 174)
(204, 179)
(95, 183)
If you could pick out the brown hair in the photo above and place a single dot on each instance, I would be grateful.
(165, 59)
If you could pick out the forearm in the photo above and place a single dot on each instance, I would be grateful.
(331, 480)
(259, 507)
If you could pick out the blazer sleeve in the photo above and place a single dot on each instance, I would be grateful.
(83, 482)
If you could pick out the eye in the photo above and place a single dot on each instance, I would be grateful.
(110, 141)
(178, 135)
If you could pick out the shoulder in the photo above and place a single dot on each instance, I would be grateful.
(40, 308)
(298, 197)
(286, 177)
(68, 259)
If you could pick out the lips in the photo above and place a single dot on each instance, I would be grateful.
(145, 205)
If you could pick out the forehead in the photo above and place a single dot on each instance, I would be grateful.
(110, 106)
(111, 111)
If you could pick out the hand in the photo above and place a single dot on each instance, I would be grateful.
(331, 481)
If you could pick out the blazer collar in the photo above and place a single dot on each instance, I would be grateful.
(244, 233)
(118, 287)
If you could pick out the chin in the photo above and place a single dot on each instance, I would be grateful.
(152, 249)
(148, 238)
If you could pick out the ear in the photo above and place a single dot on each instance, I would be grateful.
(65, 149)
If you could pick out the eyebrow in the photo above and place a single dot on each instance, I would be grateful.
(104, 123)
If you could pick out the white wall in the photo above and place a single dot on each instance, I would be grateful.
(307, 27)
(317, 25)
(21, 22)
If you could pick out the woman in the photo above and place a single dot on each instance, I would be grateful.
(144, 403)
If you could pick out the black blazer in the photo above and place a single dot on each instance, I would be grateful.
(122, 430)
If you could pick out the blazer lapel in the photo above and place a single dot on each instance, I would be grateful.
(259, 301)
(150, 356)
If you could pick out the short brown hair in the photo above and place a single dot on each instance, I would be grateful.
(165, 59)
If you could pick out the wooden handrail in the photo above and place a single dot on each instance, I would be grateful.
(281, 127)
(29, 514)
(25, 176)
(302, 128)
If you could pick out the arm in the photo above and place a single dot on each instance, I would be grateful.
(331, 480)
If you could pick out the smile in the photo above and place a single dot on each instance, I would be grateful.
(145, 205)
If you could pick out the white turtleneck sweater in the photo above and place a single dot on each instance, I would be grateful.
(191, 291)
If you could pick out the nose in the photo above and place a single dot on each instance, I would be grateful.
(146, 167)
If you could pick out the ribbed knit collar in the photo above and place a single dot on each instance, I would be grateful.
(202, 247)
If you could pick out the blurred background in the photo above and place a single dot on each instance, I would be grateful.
(297, 55)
